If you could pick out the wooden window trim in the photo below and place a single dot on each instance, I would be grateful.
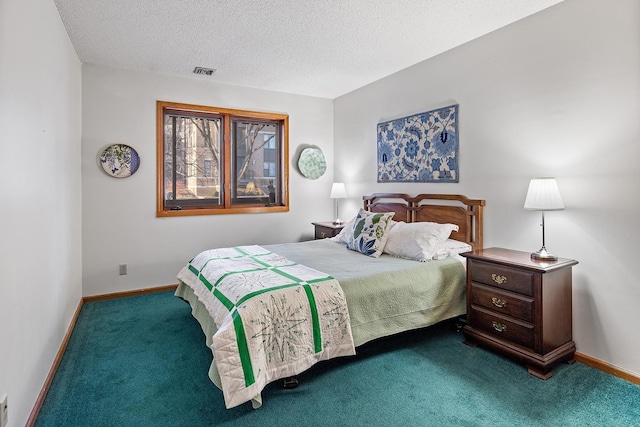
(162, 212)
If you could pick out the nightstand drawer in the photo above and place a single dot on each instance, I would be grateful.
(502, 277)
(494, 324)
(508, 303)
(324, 230)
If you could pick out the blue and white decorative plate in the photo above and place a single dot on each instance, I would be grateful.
(311, 163)
(120, 160)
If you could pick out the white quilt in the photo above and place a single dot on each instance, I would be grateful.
(275, 318)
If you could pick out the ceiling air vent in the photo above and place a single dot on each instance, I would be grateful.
(204, 71)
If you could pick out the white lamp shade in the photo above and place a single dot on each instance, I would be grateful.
(338, 191)
(543, 195)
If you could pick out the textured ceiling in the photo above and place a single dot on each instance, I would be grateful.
(323, 48)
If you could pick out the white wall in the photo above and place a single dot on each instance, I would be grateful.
(119, 223)
(556, 94)
(40, 243)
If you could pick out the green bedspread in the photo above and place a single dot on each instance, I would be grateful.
(385, 295)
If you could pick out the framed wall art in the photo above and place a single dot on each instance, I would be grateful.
(419, 148)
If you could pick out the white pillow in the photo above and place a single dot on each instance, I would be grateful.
(451, 247)
(417, 240)
(370, 232)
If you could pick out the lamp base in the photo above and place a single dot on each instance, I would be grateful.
(338, 221)
(543, 255)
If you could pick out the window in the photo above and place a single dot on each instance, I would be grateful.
(215, 161)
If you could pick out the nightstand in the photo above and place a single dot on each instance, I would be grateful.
(520, 307)
(327, 229)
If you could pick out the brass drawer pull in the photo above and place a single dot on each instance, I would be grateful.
(499, 279)
(499, 302)
(500, 327)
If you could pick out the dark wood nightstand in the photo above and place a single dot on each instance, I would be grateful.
(327, 229)
(520, 307)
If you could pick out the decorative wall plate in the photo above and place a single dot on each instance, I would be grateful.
(120, 160)
(311, 163)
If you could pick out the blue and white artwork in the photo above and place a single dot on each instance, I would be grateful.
(419, 148)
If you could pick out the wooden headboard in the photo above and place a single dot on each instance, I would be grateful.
(441, 208)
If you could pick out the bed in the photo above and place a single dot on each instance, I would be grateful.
(311, 301)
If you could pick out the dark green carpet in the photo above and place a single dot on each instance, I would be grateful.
(142, 361)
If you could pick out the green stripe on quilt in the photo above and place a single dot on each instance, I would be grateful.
(262, 291)
(320, 279)
(242, 251)
(287, 275)
(206, 282)
(225, 275)
(317, 337)
(259, 261)
(243, 349)
(224, 300)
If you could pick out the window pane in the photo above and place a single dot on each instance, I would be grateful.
(192, 153)
(256, 173)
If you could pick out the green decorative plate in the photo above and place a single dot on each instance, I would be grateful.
(311, 163)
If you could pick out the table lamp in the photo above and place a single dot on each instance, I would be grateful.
(543, 195)
(338, 191)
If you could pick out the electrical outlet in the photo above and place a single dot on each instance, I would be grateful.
(4, 412)
(123, 271)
